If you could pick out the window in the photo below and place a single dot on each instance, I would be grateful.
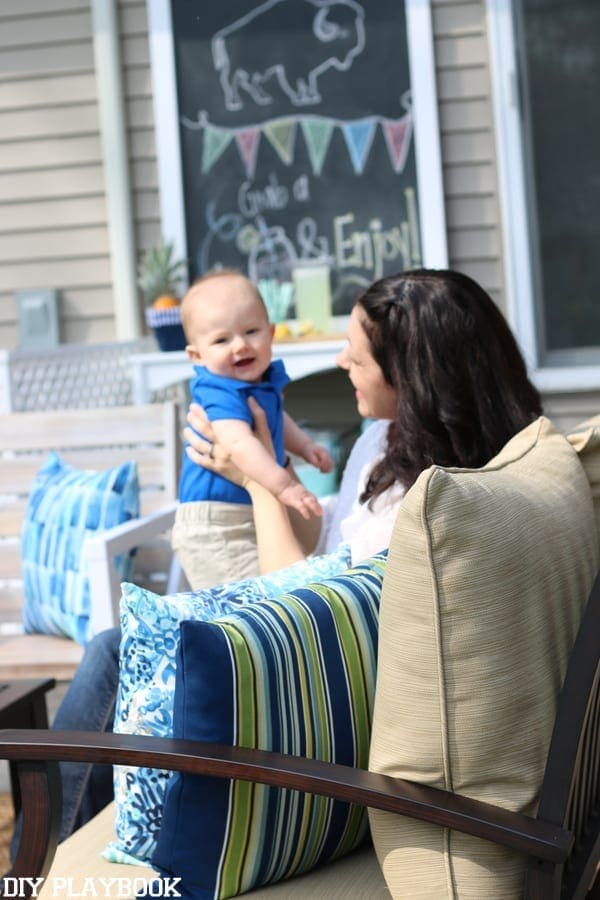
(546, 71)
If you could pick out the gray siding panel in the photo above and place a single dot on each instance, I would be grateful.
(142, 144)
(471, 212)
(136, 50)
(464, 114)
(61, 183)
(44, 153)
(459, 84)
(473, 243)
(27, 61)
(22, 8)
(49, 121)
(57, 89)
(473, 178)
(53, 243)
(45, 28)
(72, 212)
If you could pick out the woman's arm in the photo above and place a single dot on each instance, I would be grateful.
(258, 463)
(278, 544)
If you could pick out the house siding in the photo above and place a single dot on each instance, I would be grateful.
(53, 227)
(467, 141)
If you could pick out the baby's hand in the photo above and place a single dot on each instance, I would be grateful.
(318, 456)
(296, 496)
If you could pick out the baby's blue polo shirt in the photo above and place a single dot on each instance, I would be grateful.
(227, 398)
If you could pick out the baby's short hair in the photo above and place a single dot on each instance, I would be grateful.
(224, 272)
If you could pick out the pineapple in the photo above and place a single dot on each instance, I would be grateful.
(158, 275)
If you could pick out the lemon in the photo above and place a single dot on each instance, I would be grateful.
(282, 331)
(306, 326)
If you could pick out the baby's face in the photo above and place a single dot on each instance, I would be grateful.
(228, 329)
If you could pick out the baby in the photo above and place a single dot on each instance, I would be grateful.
(229, 339)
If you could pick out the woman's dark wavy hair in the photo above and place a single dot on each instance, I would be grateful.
(461, 382)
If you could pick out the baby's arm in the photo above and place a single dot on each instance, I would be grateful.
(299, 443)
(255, 461)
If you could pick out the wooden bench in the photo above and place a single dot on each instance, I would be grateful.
(89, 439)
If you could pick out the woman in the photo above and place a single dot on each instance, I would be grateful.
(429, 355)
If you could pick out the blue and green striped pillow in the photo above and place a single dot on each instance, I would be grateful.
(150, 635)
(295, 675)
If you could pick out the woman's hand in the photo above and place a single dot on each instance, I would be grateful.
(204, 449)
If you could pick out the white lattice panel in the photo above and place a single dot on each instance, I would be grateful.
(72, 376)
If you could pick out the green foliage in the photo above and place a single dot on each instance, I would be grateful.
(159, 273)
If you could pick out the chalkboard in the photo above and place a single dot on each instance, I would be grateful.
(296, 133)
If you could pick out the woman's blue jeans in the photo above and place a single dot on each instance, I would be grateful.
(88, 705)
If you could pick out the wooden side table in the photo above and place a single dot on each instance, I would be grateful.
(23, 705)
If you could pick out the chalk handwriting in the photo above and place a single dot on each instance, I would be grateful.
(270, 252)
(253, 201)
(273, 255)
(311, 244)
(371, 247)
(224, 227)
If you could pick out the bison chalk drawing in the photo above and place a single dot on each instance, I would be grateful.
(243, 63)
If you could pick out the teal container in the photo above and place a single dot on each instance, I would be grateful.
(320, 483)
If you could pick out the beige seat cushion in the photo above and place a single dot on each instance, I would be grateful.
(78, 858)
(355, 877)
(487, 576)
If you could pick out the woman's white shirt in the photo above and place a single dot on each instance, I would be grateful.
(368, 527)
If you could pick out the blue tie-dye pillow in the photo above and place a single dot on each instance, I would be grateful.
(150, 636)
(65, 506)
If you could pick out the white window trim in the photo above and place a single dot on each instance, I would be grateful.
(427, 134)
(426, 129)
(166, 125)
(513, 204)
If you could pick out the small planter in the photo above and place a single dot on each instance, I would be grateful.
(167, 328)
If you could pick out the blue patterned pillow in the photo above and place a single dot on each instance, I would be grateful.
(65, 506)
(294, 675)
(150, 634)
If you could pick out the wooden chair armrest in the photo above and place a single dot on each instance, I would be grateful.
(33, 749)
(99, 552)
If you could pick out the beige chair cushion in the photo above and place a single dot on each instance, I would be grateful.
(355, 877)
(78, 858)
(487, 576)
(586, 440)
